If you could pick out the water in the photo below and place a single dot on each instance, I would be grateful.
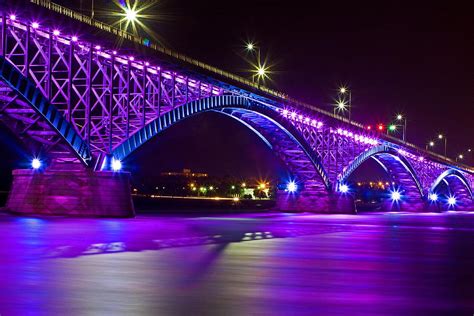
(240, 264)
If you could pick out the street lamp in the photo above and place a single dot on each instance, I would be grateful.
(343, 91)
(431, 144)
(400, 117)
(460, 157)
(440, 137)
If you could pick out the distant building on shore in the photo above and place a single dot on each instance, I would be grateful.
(185, 173)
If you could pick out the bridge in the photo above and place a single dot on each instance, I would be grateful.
(84, 106)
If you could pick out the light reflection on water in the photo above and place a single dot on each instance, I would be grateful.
(263, 263)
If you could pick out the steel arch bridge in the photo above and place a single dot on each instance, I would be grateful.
(77, 102)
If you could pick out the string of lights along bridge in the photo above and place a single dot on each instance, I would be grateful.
(81, 108)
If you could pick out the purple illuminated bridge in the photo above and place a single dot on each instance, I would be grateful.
(83, 107)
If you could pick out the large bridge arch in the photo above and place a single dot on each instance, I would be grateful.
(456, 186)
(23, 102)
(399, 168)
(263, 120)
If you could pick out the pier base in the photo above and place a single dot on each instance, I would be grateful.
(314, 198)
(71, 192)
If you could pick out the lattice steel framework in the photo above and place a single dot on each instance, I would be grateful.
(103, 103)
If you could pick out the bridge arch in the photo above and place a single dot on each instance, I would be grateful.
(277, 133)
(32, 100)
(456, 185)
(397, 166)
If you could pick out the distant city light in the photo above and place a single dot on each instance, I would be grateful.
(261, 71)
(116, 164)
(342, 90)
(74, 38)
(431, 144)
(250, 46)
(291, 187)
(243, 184)
(36, 163)
(211, 188)
(98, 47)
(56, 32)
(433, 197)
(380, 127)
(233, 187)
(35, 25)
(399, 117)
(12, 17)
(440, 136)
(392, 128)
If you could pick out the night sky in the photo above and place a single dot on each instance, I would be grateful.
(397, 57)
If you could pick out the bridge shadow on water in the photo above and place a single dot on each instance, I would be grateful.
(59, 237)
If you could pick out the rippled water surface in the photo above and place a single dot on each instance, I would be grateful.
(242, 264)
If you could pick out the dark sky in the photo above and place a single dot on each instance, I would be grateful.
(411, 57)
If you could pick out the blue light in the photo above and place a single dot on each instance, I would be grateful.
(36, 163)
(116, 164)
(433, 197)
(395, 196)
(343, 188)
(452, 201)
(291, 187)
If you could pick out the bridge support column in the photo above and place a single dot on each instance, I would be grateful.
(314, 198)
(75, 192)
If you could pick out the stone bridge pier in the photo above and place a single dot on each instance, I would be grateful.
(70, 189)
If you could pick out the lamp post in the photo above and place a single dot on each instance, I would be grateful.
(343, 91)
(440, 137)
(431, 144)
(340, 106)
(400, 117)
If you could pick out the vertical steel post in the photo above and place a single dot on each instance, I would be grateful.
(127, 129)
(173, 92)
(27, 49)
(69, 82)
(144, 94)
(111, 102)
(89, 96)
(4, 35)
(50, 65)
(159, 92)
(187, 89)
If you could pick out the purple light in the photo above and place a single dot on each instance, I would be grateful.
(98, 47)
(285, 112)
(12, 17)
(433, 197)
(56, 32)
(147, 64)
(131, 58)
(74, 39)
(293, 115)
(300, 117)
(306, 120)
(35, 25)
(114, 52)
